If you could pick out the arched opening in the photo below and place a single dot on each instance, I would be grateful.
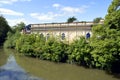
(41, 35)
(87, 35)
(63, 36)
(47, 36)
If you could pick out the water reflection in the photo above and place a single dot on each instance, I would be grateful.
(45, 69)
(12, 71)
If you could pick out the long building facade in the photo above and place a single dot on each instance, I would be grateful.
(65, 31)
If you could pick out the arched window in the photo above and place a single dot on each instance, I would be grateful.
(47, 36)
(87, 35)
(41, 35)
(63, 36)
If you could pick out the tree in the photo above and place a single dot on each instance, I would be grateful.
(4, 28)
(71, 19)
(105, 41)
(97, 20)
(112, 19)
(13, 35)
(18, 27)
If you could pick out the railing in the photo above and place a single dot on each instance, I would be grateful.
(63, 24)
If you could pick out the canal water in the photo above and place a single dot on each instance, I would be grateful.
(12, 71)
(14, 66)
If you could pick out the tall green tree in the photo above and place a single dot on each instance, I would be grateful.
(105, 41)
(71, 19)
(4, 28)
(112, 19)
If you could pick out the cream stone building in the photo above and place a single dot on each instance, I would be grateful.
(65, 31)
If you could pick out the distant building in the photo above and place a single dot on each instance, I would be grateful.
(66, 31)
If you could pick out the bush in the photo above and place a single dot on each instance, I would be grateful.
(79, 52)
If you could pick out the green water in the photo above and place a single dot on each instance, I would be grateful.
(3, 57)
(58, 71)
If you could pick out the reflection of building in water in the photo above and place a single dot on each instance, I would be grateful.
(67, 31)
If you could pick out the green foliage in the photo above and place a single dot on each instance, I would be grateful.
(13, 35)
(11, 39)
(98, 32)
(18, 27)
(97, 20)
(106, 48)
(79, 52)
(114, 6)
(71, 19)
(4, 28)
(112, 19)
(24, 43)
(34, 45)
(105, 40)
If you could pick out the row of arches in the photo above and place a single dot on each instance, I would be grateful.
(63, 35)
(48, 36)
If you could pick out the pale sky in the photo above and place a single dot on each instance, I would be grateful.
(51, 11)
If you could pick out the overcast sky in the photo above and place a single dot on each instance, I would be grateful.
(51, 11)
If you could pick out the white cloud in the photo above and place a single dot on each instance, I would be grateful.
(13, 22)
(5, 11)
(62, 12)
(56, 5)
(72, 10)
(45, 17)
(11, 1)
(7, 1)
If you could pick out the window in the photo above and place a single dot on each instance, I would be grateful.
(47, 36)
(63, 36)
(41, 35)
(87, 35)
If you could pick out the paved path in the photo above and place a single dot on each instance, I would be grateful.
(12, 71)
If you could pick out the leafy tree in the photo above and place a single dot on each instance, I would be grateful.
(18, 27)
(71, 19)
(105, 48)
(97, 20)
(112, 19)
(4, 28)
(13, 35)
(105, 41)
